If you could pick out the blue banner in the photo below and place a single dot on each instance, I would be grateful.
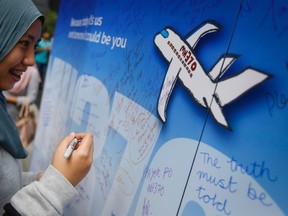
(187, 102)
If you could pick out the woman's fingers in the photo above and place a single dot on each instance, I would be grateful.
(75, 167)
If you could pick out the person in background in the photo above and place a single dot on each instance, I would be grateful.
(42, 54)
(27, 87)
(25, 92)
(20, 31)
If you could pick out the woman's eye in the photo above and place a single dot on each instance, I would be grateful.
(25, 43)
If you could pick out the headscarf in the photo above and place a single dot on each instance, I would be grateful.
(16, 16)
(9, 136)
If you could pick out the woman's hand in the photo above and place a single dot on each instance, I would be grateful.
(76, 167)
(39, 175)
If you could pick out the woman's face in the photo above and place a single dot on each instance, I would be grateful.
(20, 57)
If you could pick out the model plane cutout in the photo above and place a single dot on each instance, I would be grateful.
(207, 89)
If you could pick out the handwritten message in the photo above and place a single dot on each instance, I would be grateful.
(274, 12)
(164, 179)
(276, 101)
(222, 182)
(156, 178)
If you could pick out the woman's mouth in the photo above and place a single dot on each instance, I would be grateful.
(16, 75)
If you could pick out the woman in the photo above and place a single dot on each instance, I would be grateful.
(20, 30)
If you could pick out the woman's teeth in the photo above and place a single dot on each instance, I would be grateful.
(16, 73)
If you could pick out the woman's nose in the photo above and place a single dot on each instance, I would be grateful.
(29, 58)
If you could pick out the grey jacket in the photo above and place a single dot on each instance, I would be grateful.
(47, 197)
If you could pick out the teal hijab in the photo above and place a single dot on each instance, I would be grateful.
(16, 16)
(9, 136)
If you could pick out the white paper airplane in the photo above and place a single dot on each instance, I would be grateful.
(207, 89)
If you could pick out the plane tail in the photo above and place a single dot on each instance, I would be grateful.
(221, 66)
(217, 113)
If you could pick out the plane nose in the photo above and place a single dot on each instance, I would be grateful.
(164, 33)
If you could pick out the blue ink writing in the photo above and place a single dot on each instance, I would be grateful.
(252, 194)
(209, 160)
(276, 101)
(222, 183)
(255, 169)
(146, 208)
(156, 188)
(206, 198)
(167, 172)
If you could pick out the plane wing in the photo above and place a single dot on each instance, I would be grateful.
(167, 88)
(217, 113)
(197, 35)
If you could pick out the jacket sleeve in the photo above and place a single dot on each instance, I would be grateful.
(47, 197)
(28, 177)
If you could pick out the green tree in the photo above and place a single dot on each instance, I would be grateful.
(50, 21)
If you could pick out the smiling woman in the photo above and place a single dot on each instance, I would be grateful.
(20, 31)
(20, 57)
